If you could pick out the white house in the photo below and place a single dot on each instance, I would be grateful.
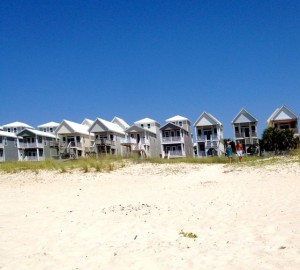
(15, 127)
(142, 138)
(108, 136)
(245, 130)
(176, 138)
(209, 135)
(48, 127)
(74, 138)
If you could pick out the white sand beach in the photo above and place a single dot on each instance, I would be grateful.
(244, 218)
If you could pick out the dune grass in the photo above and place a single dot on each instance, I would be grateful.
(110, 163)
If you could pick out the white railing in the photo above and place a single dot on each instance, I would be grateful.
(211, 144)
(33, 158)
(201, 138)
(213, 137)
(177, 153)
(144, 141)
(105, 142)
(31, 145)
(243, 135)
(74, 145)
(128, 141)
(172, 139)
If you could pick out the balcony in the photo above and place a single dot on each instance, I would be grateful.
(175, 139)
(33, 158)
(242, 135)
(213, 137)
(75, 145)
(105, 142)
(26, 145)
(53, 144)
(210, 144)
(128, 141)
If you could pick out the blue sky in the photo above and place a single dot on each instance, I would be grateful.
(135, 59)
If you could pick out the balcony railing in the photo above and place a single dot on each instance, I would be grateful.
(53, 144)
(211, 144)
(213, 137)
(33, 158)
(75, 145)
(105, 142)
(243, 135)
(31, 145)
(128, 141)
(172, 139)
(177, 153)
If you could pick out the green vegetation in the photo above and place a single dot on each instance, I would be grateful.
(111, 163)
(188, 235)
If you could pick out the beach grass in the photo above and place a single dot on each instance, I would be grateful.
(110, 163)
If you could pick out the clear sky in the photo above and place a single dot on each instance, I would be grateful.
(70, 59)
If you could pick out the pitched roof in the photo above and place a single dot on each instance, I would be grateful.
(87, 122)
(8, 134)
(145, 120)
(37, 132)
(50, 124)
(282, 113)
(243, 117)
(176, 118)
(173, 126)
(211, 120)
(135, 128)
(75, 127)
(17, 124)
(123, 124)
(109, 125)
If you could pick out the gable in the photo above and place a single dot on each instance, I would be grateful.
(98, 127)
(243, 117)
(64, 129)
(26, 133)
(205, 121)
(284, 114)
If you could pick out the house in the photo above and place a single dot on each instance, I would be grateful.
(36, 145)
(284, 118)
(74, 138)
(245, 130)
(48, 127)
(16, 127)
(209, 136)
(176, 138)
(108, 136)
(8, 146)
(142, 138)
(87, 122)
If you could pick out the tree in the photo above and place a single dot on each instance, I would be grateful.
(274, 139)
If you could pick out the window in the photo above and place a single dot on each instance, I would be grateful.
(15, 130)
(64, 139)
(51, 130)
(8, 130)
(215, 130)
(5, 141)
(180, 124)
(45, 129)
(253, 128)
(142, 125)
(111, 137)
(149, 125)
(178, 133)
(77, 138)
(236, 129)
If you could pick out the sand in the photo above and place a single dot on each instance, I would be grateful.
(244, 218)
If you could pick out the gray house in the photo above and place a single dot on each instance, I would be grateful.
(108, 138)
(176, 138)
(35, 145)
(8, 146)
(142, 138)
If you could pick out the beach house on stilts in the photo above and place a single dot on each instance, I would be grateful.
(142, 138)
(245, 130)
(209, 136)
(284, 118)
(176, 138)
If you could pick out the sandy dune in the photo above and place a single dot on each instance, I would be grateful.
(244, 217)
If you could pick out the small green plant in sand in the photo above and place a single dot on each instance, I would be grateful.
(188, 234)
